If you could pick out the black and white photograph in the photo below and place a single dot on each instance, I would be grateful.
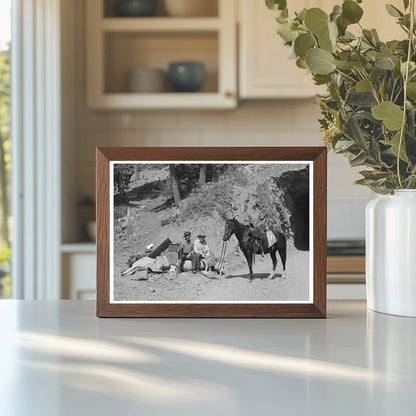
(210, 232)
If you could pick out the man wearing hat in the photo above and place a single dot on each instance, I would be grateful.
(200, 249)
(186, 252)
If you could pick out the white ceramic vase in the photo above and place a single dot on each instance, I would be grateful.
(391, 253)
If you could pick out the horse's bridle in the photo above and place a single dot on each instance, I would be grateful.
(229, 230)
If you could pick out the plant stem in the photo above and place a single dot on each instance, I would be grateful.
(373, 88)
(406, 80)
(346, 75)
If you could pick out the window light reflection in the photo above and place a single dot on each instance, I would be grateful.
(262, 361)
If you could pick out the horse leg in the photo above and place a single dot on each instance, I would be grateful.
(281, 247)
(274, 260)
(249, 257)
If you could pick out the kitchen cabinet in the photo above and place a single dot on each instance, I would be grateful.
(118, 45)
(265, 69)
(78, 262)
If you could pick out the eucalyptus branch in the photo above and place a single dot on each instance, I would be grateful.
(406, 79)
(370, 63)
(346, 75)
(392, 90)
(398, 95)
(373, 88)
(404, 28)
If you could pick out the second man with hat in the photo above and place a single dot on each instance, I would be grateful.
(186, 252)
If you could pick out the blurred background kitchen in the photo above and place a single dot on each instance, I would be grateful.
(186, 73)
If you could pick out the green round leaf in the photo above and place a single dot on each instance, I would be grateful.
(301, 15)
(393, 11)
(316, 20)
(358, 61)
(287, 33)
(395, 144)
(301, 63)
(328, 38)
(276, 4)
(322, 79)
(324, 41)
(391, 114)
(319, 61)
(333, 32)
(303, 43)
(363, 86)
(336, 12)
(342, 25)
(344, 65)
(411, 90)
(384, 62)
(351, 11)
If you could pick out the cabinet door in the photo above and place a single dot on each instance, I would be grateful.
(265, 68)
(78, 276)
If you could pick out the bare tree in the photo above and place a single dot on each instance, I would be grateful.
(202, 174)
(174, 185)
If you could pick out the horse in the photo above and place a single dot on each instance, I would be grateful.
(251, 245)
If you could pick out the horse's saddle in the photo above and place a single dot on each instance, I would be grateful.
(261, 236)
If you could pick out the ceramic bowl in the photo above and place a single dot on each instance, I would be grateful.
(147, 80)
(186, 76)
(191, 8)
(135, 8)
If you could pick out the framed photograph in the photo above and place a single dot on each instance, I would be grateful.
(211, 232)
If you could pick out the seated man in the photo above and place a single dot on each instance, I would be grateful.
(200, 250)
(186, 252)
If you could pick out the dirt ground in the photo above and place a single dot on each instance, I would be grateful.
(145, 225)
(235, 286)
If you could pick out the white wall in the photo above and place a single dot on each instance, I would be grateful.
(256, 123)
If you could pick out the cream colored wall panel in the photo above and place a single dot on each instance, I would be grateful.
(93, 120)
(376, 16)
(242, 137)
(87, 141)
(265, 69)
(86, 180)
(209, 120)
(166, 138)
(287, 138)
(161, 118)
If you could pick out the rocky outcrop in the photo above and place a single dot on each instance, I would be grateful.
(294, 186)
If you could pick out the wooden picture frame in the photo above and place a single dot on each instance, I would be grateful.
(265, 157)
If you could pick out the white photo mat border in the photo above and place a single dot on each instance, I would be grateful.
(212, 162)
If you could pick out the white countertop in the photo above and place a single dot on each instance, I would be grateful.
(57, 358)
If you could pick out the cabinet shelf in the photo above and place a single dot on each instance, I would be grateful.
(160, 24)
(116, 46)
(198, 100)
(87, 247)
